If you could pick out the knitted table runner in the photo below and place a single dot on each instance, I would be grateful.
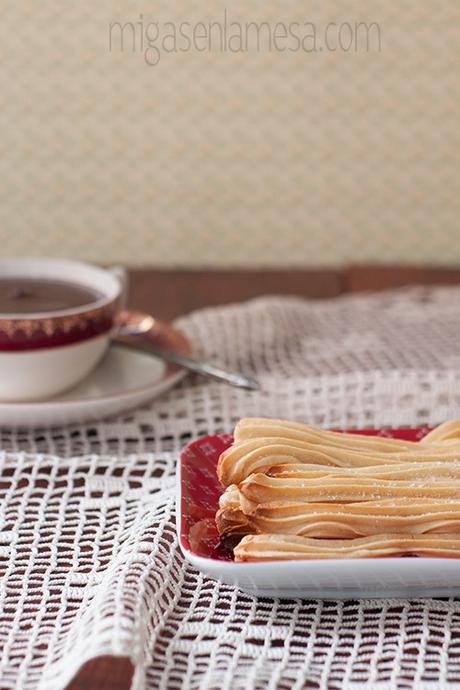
(89, 562)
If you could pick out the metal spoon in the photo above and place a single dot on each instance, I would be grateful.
(131, 325)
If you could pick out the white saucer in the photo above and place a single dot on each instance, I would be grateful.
(123, 380)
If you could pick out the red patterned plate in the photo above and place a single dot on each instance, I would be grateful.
(197, 502)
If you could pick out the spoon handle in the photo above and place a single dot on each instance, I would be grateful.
(191, 363)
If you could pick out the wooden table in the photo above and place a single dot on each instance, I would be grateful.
(167, 294)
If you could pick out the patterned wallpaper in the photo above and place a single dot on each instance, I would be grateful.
(290, 151)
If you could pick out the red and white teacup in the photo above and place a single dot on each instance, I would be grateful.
(44, 353)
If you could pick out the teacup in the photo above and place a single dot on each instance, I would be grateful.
(46, 351)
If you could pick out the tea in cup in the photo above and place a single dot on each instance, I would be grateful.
(56, 318)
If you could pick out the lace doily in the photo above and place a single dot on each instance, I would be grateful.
(89, 562)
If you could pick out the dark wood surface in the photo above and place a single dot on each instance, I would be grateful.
(359, 278)
(168, 294)
(104, 673)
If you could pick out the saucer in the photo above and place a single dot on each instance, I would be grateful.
(124, 379)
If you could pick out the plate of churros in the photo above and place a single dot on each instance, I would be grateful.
(283, 509)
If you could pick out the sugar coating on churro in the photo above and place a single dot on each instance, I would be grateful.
(302, 492)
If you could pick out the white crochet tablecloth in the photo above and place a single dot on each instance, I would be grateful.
(89, 561)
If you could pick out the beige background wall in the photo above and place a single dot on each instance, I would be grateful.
(230, 159)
